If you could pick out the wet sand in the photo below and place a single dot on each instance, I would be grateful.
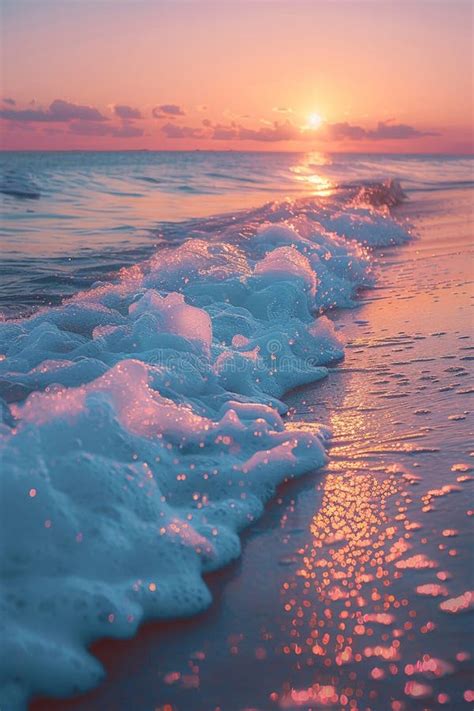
(351, 589)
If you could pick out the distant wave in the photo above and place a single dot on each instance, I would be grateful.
(19, 186)
(443, 185)
(229, 176)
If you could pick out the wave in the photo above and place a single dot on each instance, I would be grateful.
(441, 186)
(19, 186)
(232, 177)
(142, 424)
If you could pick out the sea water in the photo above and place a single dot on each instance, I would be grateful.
(143, 418)
(71, 218)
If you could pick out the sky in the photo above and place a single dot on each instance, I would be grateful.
(335, 75)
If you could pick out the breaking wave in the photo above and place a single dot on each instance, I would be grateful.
(143, 423)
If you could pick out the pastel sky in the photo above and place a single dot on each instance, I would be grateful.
(343, 75)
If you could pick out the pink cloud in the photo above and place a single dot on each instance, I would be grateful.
(397, 131)
(168, 111)
(277, 132)
(59, 111)
(127, 112)
(286, 131)
(173, 131)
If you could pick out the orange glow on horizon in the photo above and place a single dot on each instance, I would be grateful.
(238, 76)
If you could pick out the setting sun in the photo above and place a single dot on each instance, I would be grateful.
(315, 120)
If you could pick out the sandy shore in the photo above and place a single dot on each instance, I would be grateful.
(343, 595)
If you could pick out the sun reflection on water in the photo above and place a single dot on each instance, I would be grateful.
(309, 173)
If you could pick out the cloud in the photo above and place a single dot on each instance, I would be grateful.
(385, 130)
(235, 132)
(269, 133)
(87, 120)
(282, 110)
(341, 132)
(168, 111)
(82, 120)
(277, 132)
(24, 115)
(91, 128)
(397, 131)
(65, 111)
(286, 131)
(221, 132)
(171, 130)
(59, 111)
(127, 112)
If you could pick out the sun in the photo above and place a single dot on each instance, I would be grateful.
(315, 120)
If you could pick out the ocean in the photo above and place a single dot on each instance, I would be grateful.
(187, 335)
(72, 218)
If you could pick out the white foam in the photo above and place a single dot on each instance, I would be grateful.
(145, 428)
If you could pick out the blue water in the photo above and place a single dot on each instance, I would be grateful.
(142, 422)
(72, 218)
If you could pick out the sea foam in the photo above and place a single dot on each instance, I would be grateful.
(142, 426)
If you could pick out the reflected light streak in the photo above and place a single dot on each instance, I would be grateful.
(346, 616)
(312, 179)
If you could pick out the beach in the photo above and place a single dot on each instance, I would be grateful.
(344, 594)
(352, 590)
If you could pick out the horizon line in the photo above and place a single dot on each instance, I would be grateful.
(230, 150)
